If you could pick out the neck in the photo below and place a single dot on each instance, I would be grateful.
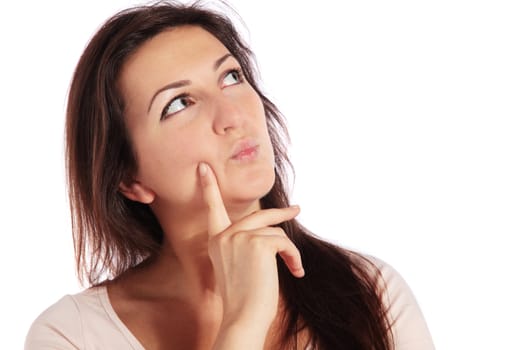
(183, 266)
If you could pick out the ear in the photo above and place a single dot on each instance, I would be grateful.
(137, 192)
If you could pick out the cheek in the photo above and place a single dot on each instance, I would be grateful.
(169, 168)
(255, 103)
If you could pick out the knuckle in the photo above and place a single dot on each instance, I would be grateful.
(238, 238)
(279, 230)
(256, 242)
(220, 241)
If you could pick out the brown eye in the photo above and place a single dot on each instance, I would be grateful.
(233, 77)
(176, 105)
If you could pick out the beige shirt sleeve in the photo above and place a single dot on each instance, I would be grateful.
(82, 321)
(57, 328)
(409, 327)
(87, 321)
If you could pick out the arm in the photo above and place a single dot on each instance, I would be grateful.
(409, 328)
(57, 328)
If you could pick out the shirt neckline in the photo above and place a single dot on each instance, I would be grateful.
(106, 304)
(103, 296)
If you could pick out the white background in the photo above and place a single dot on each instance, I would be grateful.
(407, 122)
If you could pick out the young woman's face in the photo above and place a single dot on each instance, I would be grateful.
(187, 102)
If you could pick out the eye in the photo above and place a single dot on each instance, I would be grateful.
(176, 105)
(233, 77)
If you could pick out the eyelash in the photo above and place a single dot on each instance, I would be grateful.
(239, 74)
(185, 95)
(164, 113)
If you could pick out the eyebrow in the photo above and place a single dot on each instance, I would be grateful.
(181, 83)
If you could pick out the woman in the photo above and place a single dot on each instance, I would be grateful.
(176, 167)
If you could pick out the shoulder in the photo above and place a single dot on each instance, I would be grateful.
(71, 322)
(59, 326)
(409, 327)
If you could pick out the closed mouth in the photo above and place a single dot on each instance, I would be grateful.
(245, 149)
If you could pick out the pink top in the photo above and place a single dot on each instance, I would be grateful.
(88, 321)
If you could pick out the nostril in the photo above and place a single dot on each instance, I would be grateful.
(227, 122)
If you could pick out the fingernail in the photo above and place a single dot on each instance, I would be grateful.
(203, 169)
(295, 206)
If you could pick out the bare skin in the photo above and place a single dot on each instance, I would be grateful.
(161, 322)
(163, 314)
(204, 161)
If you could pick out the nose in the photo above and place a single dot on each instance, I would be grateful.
(227, 115)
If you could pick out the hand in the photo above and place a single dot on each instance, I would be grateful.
(243, 256)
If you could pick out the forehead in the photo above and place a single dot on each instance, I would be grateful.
(170, 55)
(180, 43)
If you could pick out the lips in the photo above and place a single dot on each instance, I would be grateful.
(245, 149)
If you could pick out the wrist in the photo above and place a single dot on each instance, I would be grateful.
(240, 335)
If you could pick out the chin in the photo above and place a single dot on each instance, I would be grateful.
(247, 192)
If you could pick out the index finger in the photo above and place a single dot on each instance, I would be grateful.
(218, 219)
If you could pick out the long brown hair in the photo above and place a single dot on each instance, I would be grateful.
(339, 299)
